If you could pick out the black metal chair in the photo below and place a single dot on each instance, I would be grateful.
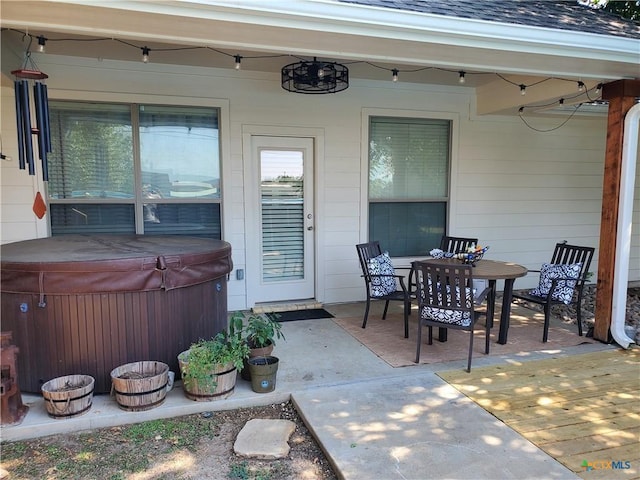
(456, 244)
(446, 299)
(561, 282)
(382, 285)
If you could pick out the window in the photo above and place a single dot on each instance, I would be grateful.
(408, 183)
(134, 169)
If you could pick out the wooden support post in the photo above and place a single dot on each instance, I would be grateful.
(621, 95)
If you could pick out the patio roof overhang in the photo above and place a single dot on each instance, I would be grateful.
(346, 32)
(343, 32)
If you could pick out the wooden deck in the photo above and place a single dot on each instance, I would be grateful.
(583, 410)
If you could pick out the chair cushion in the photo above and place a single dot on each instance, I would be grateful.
(381, 265)
(444, 315)
(564, 288)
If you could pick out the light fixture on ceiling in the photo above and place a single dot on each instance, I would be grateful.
(42, 41)
(315, 77)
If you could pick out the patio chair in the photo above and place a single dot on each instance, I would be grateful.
(456, 244)
(561, 282)
(446, 299)
(381, 281)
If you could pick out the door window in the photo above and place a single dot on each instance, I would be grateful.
(282, 202)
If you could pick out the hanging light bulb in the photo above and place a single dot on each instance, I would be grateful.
(394, 74)
(145, 54)
(41, 44)
(561, 101)
(598, 89)
(461, 79)
(238, 61)
(523, 89)
(580, 86)
(320, 70)
(520, 110)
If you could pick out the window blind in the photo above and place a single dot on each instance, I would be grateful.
(408, 158)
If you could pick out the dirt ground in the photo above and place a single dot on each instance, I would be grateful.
(198, 446)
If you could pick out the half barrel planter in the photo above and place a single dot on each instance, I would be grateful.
(140, 386)
(68, 396)
(224, 375)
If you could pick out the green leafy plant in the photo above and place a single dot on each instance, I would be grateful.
(226, 347)
(261, 331)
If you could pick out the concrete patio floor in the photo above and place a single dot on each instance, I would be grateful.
(372, 420)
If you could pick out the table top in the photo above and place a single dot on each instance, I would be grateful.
(490, 269)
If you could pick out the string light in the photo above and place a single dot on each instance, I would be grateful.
(520, 110)
(238, 60)
(42, 41)
(561, 101)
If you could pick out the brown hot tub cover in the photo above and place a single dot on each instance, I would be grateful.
(111, 263)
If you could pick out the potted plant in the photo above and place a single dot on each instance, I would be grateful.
(209, 368)
(260, 333)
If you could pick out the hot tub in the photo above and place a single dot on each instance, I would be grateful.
(86, 304)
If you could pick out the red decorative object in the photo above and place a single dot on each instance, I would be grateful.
(29, 74)
(39, 206)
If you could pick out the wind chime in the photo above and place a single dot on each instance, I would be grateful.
(30, 74)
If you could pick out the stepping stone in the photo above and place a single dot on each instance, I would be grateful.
(264, 439)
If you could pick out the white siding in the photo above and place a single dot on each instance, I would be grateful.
(518, 190)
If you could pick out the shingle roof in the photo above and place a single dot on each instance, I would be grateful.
(561, 15)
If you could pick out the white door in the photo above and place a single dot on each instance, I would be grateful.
(280, 220)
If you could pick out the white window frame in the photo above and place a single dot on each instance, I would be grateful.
(223, 126)
(367, 113)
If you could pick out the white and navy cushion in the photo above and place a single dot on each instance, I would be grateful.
(444, 315)
(563, 292)
(381, 265)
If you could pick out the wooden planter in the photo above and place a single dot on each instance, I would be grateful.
(140, 386)
(224, 377)
(68, 396)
